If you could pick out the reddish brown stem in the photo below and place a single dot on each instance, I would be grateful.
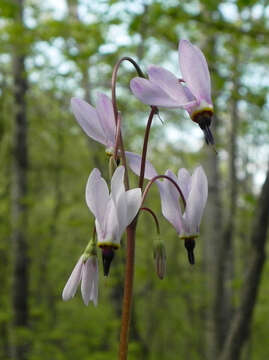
(162, 177)
(130, 255)
(115, 108)
(154, 110)
(154, 217)
(128, 291)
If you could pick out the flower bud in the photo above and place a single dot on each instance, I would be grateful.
(159, 255)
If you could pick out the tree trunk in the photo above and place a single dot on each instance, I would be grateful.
(225, 269)
(20, 258)
(212, 227)
(240, 325)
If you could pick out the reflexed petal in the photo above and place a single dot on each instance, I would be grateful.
(87, 118)
(111, 225)
(151, 94)
(196, 200)
(87, 280)
(106, 115)
(117, 183)
(194, 70)
(170, 186)
(121, 209)
(99, 231)
(134, 162)
(170, 84)
(133, 199)
(73, 281)
(184, 181)
(170, 205)
(94, 291)
(97, 195)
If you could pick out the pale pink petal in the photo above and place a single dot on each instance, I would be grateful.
(171, 85)
(73, 281)
(117, 183)
(170, 204)
(127, 208)
(111, 225)
(100, 231)
(121, 208)
(184, 182)
(134, 162)
(152, 94)
(106, 116)
(94, 291)
(87, 118)
(133, 199)
(170, 186)
(88, 274)
(194, 70)
(97, 195)
(196, 201)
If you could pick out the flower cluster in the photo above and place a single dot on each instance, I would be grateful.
(117, 209)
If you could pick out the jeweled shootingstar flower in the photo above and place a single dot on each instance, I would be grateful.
(193, 92)
(86, 272)
(98, 123)
(194, 189)
(113, 212)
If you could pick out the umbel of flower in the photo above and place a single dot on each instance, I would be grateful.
(113, 212)
(193, 92)
(194, 189)
(86, 272)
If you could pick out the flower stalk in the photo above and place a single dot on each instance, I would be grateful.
(115, 207)
(131, 229)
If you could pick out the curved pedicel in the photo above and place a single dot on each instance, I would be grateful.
(115, 109)
(152, 213)
(162, 177)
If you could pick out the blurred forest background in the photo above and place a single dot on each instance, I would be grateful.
(53, 50)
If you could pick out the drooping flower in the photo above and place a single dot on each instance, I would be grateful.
(194, 189)
(113, 212)
(86, 272)
(98, 123)
(193, 92)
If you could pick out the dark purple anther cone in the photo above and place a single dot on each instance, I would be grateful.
(107, 257)
(204, 120)
(190, 245)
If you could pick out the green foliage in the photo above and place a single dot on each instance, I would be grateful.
(77, 60)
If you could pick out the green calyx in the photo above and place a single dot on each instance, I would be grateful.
(90, 250)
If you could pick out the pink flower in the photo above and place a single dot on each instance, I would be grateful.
(194, 188)
(113, 212)
(193, 93)
(86, 272)
(98, 123)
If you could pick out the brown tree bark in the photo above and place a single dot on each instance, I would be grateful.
(20, 271)
(212, 225)
(240, 325)
(224, 272)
